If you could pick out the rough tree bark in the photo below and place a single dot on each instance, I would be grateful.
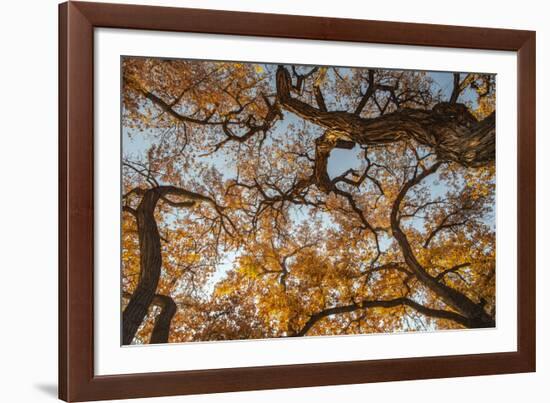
(151, 261)
(150, 266)
(161, 330)
(453, 134)
(449, 129)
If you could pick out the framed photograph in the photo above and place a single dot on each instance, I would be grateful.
(255, 201)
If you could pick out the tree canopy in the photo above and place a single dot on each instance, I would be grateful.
(264, 200)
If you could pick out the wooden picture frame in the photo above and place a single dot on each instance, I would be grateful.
(77, 381)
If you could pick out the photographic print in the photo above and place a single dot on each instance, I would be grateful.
(264, 201)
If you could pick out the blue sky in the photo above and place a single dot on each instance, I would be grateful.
(136, 143)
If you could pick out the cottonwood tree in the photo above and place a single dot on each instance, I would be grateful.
(236, 226)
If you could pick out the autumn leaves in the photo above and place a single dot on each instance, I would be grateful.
(234, 228)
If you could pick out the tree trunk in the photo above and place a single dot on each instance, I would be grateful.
(449, 129)
(161, 330)
(150, 261)
(150, 266)
(476, 314)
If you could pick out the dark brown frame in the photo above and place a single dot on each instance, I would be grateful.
(77, 21)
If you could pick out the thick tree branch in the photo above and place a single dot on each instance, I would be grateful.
(435, 313)
(449, 129)
(150, 266)
(455, 299)
(161, 329)
(150, 253)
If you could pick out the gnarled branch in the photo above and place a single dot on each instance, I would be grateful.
(449, 129)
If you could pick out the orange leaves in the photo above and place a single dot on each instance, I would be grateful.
(268, 247)
(481, 181)
(249, 267)
(223, 290)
